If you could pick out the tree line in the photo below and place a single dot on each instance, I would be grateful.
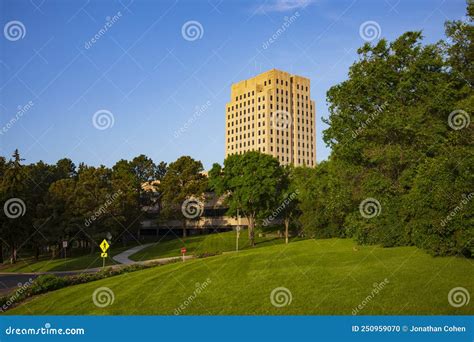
(47, 204)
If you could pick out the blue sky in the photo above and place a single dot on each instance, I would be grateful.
(167, 94)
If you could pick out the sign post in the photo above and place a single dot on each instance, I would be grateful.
(238, 232)
(183, 252)
(237, 239)
(104, 246)
(64, 247)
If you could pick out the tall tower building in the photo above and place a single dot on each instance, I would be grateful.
(272, 113)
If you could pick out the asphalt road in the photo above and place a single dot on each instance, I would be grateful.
(11, 281)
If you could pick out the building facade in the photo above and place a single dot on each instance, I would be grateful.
(273, 113)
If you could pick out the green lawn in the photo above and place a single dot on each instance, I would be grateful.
(28, 265)
(324, 277)
(202, 244)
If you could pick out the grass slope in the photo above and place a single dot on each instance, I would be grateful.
(201, 244)
(324, 277)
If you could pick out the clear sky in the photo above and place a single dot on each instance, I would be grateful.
(164, 86)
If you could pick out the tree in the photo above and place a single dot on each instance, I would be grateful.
(93, 203)
(3, 167)
(126, 206)
(252, 183)
(15, 227)
(182, 181)
(289, 198)
(39, 178)
(391, 127)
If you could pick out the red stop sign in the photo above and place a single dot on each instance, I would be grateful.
(183, 250)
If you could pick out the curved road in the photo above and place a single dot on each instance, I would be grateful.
(11, 281)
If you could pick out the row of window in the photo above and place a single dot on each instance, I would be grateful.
(229, 109)
(245, 127)
(244, 112)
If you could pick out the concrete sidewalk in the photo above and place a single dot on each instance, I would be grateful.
(122, 258)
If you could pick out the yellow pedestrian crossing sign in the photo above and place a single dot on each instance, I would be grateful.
(104, 246)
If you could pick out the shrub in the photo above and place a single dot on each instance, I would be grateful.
(45, 283)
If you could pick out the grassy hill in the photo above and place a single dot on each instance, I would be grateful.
(203, 244)
(324, 277)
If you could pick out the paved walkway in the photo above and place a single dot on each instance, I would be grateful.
(122, 258)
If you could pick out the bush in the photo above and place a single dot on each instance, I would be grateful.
(45, 283)
(207, 254)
